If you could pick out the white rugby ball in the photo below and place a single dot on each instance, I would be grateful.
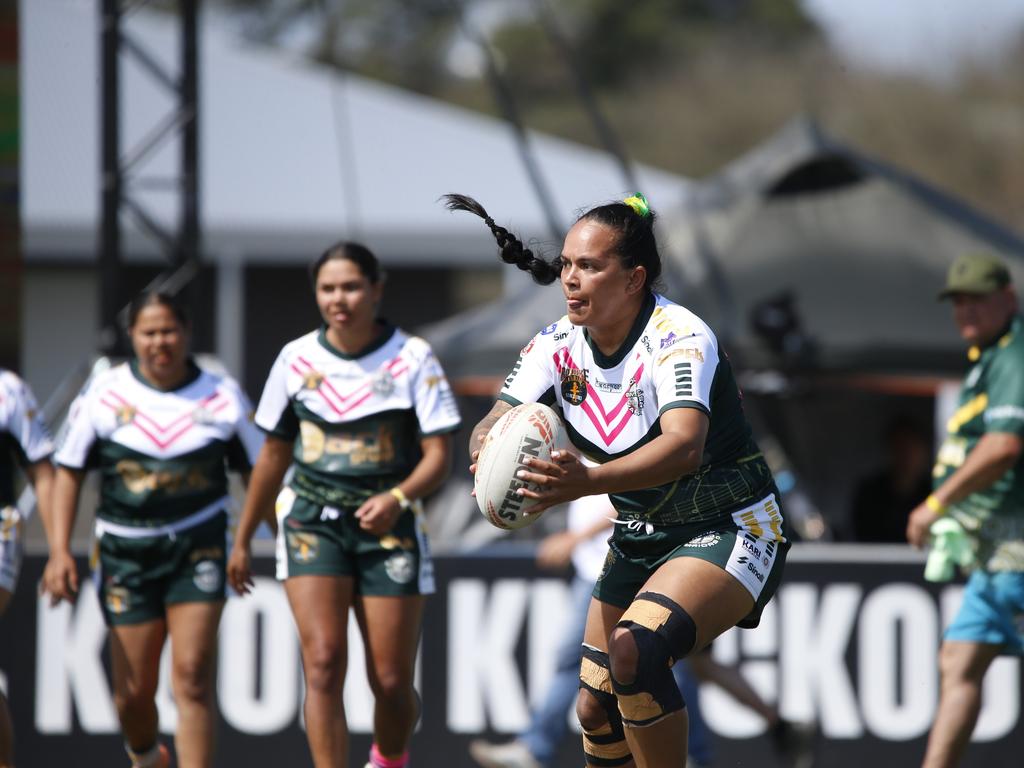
(530, 430)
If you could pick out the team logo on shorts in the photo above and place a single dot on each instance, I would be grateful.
(399, 567)
(125, 415)
(704, 541)
(118, 599)
(305, 547)
(383, 384)
(312, 379)
(574, 385)
(206, 576)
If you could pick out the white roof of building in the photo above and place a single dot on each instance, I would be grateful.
(292, 155)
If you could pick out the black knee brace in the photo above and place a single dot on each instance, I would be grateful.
(663, 632)
(604, 746)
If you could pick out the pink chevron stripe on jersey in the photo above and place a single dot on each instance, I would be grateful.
(396, 367)
(155, 428)
(593, 397)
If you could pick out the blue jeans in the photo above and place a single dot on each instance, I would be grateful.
(549, 724)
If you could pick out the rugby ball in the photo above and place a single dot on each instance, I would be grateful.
(530, 430)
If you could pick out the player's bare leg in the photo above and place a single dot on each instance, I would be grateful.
(596, 715)
(715, 601)
(391, 631)
(193, 630)
(320, 605)
(962, 669)
(135, 668)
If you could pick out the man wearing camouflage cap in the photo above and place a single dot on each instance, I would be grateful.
(979, 484)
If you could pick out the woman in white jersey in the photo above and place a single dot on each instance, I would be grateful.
(161, 432)
(364, 414)
(645, 391)
(24, 442)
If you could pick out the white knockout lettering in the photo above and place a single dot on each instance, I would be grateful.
(812, 656)
(276, 704)
(896, 661)
(548, 598)
(482, 673)
(69, 646)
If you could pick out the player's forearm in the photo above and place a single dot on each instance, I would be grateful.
(499, 409)
(40, 474)
(264, 485)
(993, 456)
(663, 460)
(432, 469)
(67, 484)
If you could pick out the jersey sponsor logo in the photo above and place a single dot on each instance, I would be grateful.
(684, 380)
(526, 350)
(607, 386)
(635, 399)
(1004, 412)
(549, 330)
(574, 385)
(303, 546)
(206, 576)
(669, 340)
(373, 447)
(704, 541)
(399, 567)
(512, 375)
(687, 353)
(646, 341)
(139, 480)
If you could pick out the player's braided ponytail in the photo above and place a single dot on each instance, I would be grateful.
(512, 249)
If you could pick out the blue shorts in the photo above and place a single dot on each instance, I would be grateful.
(992, 611)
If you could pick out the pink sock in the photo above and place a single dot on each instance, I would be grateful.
(379, 761)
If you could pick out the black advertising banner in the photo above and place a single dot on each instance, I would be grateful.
(850, 641)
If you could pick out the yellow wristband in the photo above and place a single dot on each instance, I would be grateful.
(935, 505)
(403, 500)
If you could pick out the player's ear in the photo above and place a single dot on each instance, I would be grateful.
(637, 279)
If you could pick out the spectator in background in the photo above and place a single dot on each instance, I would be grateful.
(882, 500)
(979, 486)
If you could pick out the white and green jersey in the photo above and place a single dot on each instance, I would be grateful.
(611, 406)
(24, 438)
(356, 420)
(162, 455)
(991, 400)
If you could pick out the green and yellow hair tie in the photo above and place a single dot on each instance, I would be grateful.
(639, 205)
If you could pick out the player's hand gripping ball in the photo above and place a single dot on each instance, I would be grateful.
(530, 430)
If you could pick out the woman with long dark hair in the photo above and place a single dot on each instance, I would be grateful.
(162, 432)
(647, 393)
(364, 414)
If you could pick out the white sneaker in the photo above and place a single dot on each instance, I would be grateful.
(512, 754)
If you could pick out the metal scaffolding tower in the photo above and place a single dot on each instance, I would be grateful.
(121, 178)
